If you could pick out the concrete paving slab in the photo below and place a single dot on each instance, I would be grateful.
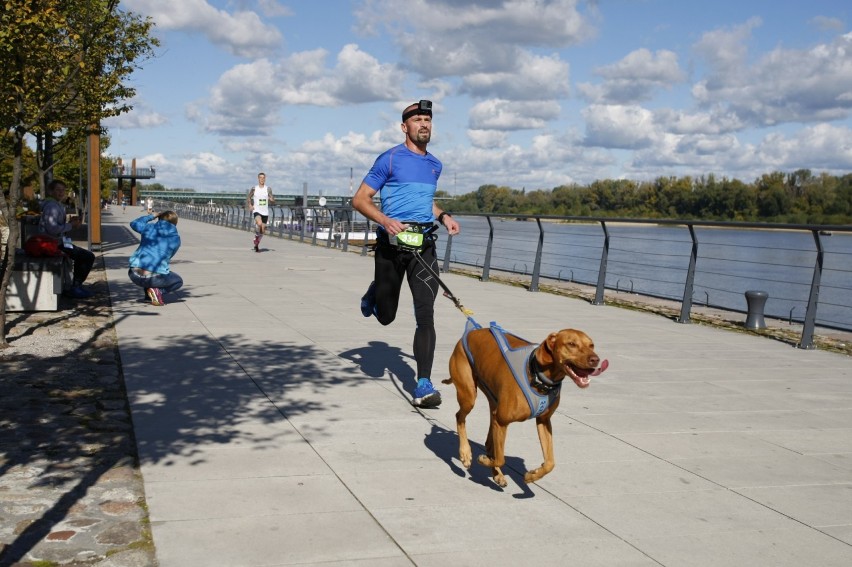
(589, 553)
(841, 533)
(491, 525)
(301, 539)
(257, 496)
(623, 477)
(791, 547)
(769, 470)
(684, 422)
(283, 455)
(712, 444)
(824, 505)
(678, 513)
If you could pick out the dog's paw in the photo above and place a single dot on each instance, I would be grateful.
(466, 458)
(537, 474)
(485, 461)
(499, 479)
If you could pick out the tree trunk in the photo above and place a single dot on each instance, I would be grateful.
(9, 208)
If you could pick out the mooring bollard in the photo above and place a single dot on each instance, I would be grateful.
(756, 301)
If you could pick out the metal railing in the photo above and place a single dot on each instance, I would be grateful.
(617, 244)
(677, 260)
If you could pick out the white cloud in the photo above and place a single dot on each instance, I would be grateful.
(461, 37)
(785, 85)
(139, 117)
(531, 78)
(635, 78)
(487, 139)
(273, 8)
(245, 101)
(618, 126)
(508, 115)
(242, 33)
(725, 49)
(828, 24)
(716, 121)
(816, 147)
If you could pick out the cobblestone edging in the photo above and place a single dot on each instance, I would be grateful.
(70, 488)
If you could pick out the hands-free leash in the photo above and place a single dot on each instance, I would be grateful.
(428, 235)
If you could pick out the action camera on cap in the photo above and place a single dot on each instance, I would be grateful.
(423, 107)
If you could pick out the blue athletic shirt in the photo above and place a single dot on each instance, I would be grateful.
(406, 183)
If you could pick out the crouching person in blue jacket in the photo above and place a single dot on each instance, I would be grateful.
(149, 265)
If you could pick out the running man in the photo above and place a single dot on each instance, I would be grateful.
(259, 198)
(406, 178)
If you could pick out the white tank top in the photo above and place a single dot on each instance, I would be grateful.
(261, 200)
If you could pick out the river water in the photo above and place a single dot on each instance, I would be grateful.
(653, 260)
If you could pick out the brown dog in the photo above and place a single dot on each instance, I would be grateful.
(564, 353)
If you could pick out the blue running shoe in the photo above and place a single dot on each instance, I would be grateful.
(368, 302)
(425, 396)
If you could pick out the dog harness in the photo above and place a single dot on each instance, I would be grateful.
(520, 360)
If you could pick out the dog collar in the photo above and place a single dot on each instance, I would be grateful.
(539, 380)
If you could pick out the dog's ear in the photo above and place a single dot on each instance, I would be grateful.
(546, 353)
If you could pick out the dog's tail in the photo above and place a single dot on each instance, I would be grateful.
(447, 381)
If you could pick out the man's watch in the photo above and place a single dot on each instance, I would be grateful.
(442, 215)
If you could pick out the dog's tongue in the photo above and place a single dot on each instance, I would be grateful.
(604, 365)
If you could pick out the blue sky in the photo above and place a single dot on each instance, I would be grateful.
(528, 93)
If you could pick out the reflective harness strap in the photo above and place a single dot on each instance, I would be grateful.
(518, 360)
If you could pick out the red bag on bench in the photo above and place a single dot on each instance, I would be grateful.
(42, 245)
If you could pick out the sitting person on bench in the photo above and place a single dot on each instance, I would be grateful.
(53, 223)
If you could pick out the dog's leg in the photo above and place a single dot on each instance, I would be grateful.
(461, 375)
(494, 446)
(545, 436)
(465, 454)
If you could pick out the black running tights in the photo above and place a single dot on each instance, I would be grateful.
(391, 265)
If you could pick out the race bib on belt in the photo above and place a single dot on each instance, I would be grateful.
(407, 239)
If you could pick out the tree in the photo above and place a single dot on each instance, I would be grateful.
(773, 196)
(63, 68)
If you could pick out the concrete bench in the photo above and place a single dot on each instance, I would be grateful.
(36, 283)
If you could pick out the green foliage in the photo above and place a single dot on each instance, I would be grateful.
(64, 66)
(797, 197)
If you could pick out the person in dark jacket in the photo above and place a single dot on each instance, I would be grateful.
(53, 217)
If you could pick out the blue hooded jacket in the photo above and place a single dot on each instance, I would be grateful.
(160, 241)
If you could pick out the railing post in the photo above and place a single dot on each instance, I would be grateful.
(292, 219)
(599, 291)
(330, 230)
(807, 340)
(347, 224)
(537, 265)
(486, 268)
(446, 266)
(686, 305)
(314, 223)
(280, 217)
(367, 239)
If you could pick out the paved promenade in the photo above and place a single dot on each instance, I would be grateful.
(274, 428)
